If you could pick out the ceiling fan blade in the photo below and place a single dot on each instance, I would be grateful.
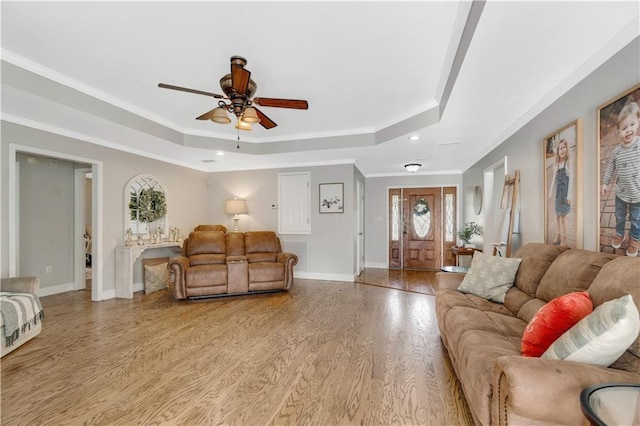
(265, 121)
(282, 103)
(186, 89)
(207, 115)
(240, 79)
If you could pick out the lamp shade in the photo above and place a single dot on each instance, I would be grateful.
(235, 206)
(250, 116)
(220, 116)
(243, 125)
(412, 167)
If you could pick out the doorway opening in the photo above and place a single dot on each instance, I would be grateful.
(68, 273)
(422, 223)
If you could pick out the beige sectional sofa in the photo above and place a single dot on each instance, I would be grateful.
(483, 338)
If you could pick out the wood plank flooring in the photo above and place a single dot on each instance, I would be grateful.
(324, 353)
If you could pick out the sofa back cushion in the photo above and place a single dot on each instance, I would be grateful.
(574, 270)
(616, 279)
(205, 248)
(235, 244)
(220, 228)
(536, 259)
(261, 246)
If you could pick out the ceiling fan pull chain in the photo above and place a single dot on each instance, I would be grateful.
(238, 146)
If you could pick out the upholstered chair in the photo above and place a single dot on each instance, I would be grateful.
(269, 268)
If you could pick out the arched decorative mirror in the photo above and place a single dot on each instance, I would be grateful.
(145, 205)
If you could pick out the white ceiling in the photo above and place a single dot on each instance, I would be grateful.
(463, 76)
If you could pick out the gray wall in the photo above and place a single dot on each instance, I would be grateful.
(332, 238)
(187, 191)
(376, 210)
(46, 220)
(524, 148)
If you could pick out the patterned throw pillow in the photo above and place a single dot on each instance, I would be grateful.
(490, 277)
(553, 319)
(601, 337)
(156, 277)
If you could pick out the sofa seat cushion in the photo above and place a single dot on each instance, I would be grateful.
(448, 298)
(460, 321)
(266, 272)
(476, 357)
(206, 275)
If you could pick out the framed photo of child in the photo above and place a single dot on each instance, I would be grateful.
(619, 173)
(563, 193)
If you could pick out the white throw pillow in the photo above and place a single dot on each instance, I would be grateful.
(490, 277)
(601, 337)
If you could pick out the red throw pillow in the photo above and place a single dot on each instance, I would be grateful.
(553, 319)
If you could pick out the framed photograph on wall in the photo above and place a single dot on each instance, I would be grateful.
(562, 158)
(618, 173)
(331, 198)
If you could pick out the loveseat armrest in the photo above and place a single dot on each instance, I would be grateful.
(20, 285)
(449, 280)
(179, 265)
(289, 260)
(530, 390)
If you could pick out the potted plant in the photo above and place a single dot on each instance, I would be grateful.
(470, 229)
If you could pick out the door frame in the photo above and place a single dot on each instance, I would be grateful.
(79, 229)
(359, 227)
(96, 213)
(441, 187)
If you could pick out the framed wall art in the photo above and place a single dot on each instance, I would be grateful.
(331, 198)
(562, 158)
(618, 171)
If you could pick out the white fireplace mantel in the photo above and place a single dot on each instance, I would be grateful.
(126, 256)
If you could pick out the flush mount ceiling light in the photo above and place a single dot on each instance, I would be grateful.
(412, 167)
(414, 137)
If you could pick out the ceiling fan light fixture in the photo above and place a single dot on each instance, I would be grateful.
(243, 125)
(412, 167)
(220, 116)
(250, 115)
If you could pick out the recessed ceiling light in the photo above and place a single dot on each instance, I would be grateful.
(414, 137)
(219, 153)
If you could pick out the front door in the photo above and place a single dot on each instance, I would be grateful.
(422, 228)
(419, 233)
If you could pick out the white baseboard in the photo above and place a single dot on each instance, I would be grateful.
(55, 289)
(376, 265)
(138, 287)
(326, 277)
(108, 294)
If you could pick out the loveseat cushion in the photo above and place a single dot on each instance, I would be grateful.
(206, 275)
(206, 247)
(266, 272)
(572, 271)
(261, 246)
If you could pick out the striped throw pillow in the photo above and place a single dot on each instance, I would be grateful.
(601, 337)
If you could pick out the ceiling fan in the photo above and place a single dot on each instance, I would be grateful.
(239, 89)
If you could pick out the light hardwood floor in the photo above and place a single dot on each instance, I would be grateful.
(324, 353)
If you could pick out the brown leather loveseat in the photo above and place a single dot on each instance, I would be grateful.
(214, 263)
